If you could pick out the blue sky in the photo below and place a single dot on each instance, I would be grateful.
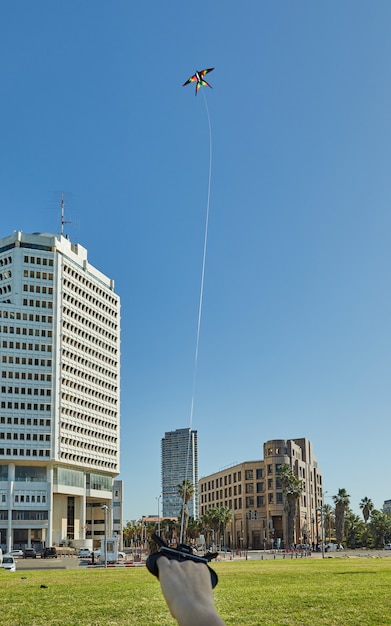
(295, 336)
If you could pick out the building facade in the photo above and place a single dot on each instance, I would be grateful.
(253, 493)
(179, 462)
(59, 375)
(387, 506)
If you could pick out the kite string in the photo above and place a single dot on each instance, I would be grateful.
(198, 320)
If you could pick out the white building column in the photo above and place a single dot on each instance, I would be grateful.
(10, 499)
(83, 512)
(49, 480)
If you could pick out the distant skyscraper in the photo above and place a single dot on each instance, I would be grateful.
(179, 462)
(59, 400)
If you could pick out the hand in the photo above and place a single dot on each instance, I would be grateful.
(187, 590)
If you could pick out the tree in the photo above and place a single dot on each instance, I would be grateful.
(210, 521)
(366, 506)
(225, 516)
(380, 527)
(328, 517)
(341, 501)
(292, 488)
(186, 493)
(353, 526)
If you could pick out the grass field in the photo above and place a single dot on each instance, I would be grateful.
(331, 591)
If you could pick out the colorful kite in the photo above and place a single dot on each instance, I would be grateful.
(198, 79)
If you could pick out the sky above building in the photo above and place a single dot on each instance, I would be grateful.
(295, 336)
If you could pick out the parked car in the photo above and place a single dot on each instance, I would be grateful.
(84, 553)
(8, 563)
(387, 546)
(29, 553)
(49, 553)
(17, 554)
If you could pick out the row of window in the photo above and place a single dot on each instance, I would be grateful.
(237, 490)
(98, 330)
(26, 361)
(25, 421)
(80, 345)
(25, 436)
(5, 275)
(26, 375)
(82, 319)
(87, 363)
(89, 297)
(31, 317)
(89, 406)
(23, 452)
(44, 304)
(75, 301)
(25, 515)
(17, 330)
(75, 443)
(88, 391)
(83, 375)
(228, 479)
(38, 275)
(91, 419)
(76, 458)
(5, 260)
(237, 503)
(89, 433)
(37, 260)
(38, 289)
(23, 406)
(16, 345)
(5, 289)
(26, 498)
(82, 280)
(25, 391)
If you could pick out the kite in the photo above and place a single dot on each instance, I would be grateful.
(198, 79)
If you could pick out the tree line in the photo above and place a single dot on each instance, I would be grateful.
(340, 523)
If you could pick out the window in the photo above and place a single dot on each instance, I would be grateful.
(249, 474)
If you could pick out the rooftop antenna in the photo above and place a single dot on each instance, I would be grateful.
(63, 221)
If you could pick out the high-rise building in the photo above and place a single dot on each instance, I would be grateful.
(59, 402)
(179, 462)
(254, 494)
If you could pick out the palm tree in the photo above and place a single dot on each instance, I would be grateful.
(353, 526)
(380, 527)
(341, 501)
(366, 506)
(186, 493)
(292, 488)
(328, 516)
(210, 521)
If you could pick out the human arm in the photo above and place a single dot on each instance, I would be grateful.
(187, 589)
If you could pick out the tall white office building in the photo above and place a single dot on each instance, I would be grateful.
(179, 462)
(59, 401)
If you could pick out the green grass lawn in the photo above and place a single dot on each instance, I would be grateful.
(330, 591)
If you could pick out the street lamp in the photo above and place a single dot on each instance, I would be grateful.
(320, 509)
(105, 508)
(158, 514)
